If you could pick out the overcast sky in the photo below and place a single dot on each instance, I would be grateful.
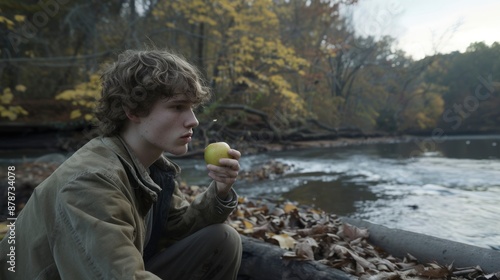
(425, 27)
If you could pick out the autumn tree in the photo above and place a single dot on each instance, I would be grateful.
(318, 33)
(290, 63)
(56, 44)
(239, 45)
(473, 83)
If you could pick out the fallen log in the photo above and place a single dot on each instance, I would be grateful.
(264, 261)
(429, 248)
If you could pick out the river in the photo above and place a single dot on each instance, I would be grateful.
(449, 189)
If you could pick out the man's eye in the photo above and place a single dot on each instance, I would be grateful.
(182, 107)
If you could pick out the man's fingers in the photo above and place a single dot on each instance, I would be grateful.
(235, 154)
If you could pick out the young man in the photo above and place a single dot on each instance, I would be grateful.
(113, 210)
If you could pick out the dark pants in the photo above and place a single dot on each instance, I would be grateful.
(213, 252)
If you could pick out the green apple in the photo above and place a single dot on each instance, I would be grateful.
(216, 151)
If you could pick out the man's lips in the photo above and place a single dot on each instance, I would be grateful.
(187, 135)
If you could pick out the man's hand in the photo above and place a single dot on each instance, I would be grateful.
(225, 175)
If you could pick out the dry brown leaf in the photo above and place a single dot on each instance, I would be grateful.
(284, 241)
(406, 266)
(333, 237)
(238, 213)
(381, 276)
(289, 207)
(361, 261)
(305, 248)
(359, 269)
(259, 232)
(293, 220)
(351, 232)
(340, 251)
(386, 263)
(433, 271)
(235, 224)
(290, 233)
(409, 258)
(383, 267)
(247, 224)
(278, 212)
(290, 255)
(315, 230)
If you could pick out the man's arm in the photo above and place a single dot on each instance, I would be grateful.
(95, 236)
(207, 208)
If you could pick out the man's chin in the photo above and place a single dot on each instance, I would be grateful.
(178, 152)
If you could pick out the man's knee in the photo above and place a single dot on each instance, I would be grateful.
(224, 233)
(222, 238)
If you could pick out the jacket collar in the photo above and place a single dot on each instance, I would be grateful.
(135, 167)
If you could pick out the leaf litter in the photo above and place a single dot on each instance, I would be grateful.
(311, 234)
(307, 233)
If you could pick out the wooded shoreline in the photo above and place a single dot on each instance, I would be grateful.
(67, 138)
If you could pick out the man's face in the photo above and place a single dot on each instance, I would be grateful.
(169, 125)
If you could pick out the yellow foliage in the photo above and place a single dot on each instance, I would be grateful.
(20, 18)
(425, 107)
(9, 111)
(84, 96)
(7, 96)
(20, 88)
(254, 54)
(75, 114)
(9, 23)
(12, 112)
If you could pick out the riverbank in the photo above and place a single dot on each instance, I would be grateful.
(68, 137)
(304, 233)
(23, 140)
(340, 142)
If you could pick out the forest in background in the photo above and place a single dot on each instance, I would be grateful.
(278, 68)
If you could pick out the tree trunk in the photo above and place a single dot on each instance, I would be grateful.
(263, 261)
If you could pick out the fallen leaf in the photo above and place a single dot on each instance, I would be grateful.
(248, 224)
(289, 208)
(305, 248)
(351, 232)
(361, 261)
(381, 276)
(241, 199)
(433, 272)
(290, 255)
(284, 240)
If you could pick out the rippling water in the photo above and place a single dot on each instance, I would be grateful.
(449, 190)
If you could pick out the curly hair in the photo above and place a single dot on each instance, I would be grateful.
(138, 79)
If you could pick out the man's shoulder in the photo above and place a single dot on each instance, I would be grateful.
(93, 155)
(92, 159)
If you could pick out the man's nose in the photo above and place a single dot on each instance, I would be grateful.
(192, 121)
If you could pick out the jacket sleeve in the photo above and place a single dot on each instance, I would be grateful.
(95, 232)
(185, 218)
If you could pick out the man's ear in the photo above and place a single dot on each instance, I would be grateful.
(131, 116)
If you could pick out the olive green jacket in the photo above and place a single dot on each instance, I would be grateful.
(87, 220)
